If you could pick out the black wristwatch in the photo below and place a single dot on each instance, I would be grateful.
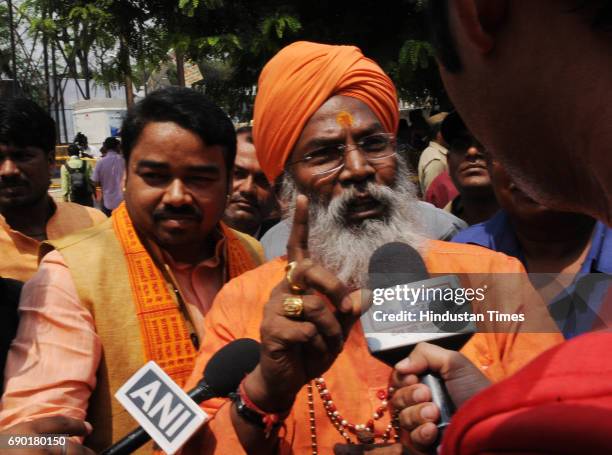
(250, 415)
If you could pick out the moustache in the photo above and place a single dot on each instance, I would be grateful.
(342, 204)
(11, 182)
(169, 212)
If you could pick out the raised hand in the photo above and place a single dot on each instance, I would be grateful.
(298, 348)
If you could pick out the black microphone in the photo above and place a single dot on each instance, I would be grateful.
(222, 376)
(396, 264)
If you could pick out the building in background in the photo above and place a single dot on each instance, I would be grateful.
(71, 91)
(99, 118)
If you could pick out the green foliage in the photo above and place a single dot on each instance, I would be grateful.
(89, 13)
(232, 40)
(416, 54)
(276, 25)
(5, 51)
(191, 6)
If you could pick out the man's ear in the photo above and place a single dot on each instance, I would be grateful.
(480, 20)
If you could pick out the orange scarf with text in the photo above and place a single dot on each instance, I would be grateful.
(163, 330)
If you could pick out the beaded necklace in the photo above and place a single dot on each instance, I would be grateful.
(365, 433)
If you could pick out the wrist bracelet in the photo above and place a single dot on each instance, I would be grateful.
(250, 412)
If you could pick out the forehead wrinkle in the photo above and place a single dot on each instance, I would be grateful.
(331, 135)
(323, 129)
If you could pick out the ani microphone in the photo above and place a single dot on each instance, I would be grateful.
(222, 376)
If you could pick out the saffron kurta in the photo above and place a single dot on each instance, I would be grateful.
(85, 329)
(20, 253)
(355, 377)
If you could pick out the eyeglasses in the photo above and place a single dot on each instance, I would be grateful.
(376, 147)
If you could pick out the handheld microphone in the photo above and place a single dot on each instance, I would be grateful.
(395, 265)
(222, 376)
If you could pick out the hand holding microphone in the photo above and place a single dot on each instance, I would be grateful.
(415, 401)
(427, 370)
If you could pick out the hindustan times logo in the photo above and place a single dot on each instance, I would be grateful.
(413, 295)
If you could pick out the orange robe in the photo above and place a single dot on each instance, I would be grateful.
(20, 253)
(355, 377)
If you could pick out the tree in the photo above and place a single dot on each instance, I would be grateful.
(30, 79)
(245, 35)
(75, 29)
(117, 41)
(5, 51)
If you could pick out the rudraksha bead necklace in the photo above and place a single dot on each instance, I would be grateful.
(365, 432)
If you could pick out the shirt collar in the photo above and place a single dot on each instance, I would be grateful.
(599, 258)
(214, 261)
(8, 228)
(438, 147)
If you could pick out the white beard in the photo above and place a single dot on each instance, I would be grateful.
(344, 249)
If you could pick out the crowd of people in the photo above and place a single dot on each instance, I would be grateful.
(209, 234)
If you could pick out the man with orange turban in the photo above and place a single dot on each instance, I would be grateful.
(325, 119)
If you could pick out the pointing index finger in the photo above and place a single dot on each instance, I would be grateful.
(297, 246)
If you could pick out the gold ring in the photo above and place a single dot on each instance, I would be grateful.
(293, 306)
(298, 289)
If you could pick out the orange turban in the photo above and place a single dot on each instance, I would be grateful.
(296, 83)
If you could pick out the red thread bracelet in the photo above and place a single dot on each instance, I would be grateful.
(270, 420)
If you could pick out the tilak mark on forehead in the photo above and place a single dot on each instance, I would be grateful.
(344, 119)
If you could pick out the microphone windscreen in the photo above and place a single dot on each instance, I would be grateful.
(395, 263)
(228, 367)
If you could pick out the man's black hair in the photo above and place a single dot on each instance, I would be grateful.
(111, 143)
(453, 127)
(418, 122)
(248, 130)
(244, 129)
(23, 123)
(73, 150)
(80, 139)
(187, 108)
(597, 12)
(434, 130)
